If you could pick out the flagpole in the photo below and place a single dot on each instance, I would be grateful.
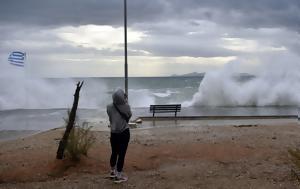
(125, 47)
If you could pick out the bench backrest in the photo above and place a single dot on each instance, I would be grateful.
(165, 108)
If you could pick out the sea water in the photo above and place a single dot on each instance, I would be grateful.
(41, 104)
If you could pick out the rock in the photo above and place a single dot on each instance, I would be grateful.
(245, 126)
(253, 177)
(139, 121)
(132, 125)
(26, 147)
(238, 175)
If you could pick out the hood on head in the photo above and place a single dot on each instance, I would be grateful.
(119, 97)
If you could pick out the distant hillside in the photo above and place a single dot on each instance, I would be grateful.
(244, 75)
(193, 74)
(196, 74)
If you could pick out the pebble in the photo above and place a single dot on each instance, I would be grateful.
(252, 177)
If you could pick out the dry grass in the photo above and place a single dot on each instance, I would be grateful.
(80, 141)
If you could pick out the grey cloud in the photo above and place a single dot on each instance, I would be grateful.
(166, 23)
(274, 37)
(211, 43)
(75, 12)
(243, 13)
(240, 13)
(177, 48)
(167, 39)
(66, 12)
(40, 42)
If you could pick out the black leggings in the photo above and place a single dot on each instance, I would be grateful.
(119, 143)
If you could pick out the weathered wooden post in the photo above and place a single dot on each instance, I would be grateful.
(63, 142)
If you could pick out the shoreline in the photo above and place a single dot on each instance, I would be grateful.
(165, 121)
(31, 119)
(9, 135)
(149, 118)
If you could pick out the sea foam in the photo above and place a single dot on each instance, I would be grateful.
(276, 84)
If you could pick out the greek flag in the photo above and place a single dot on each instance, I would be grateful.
(17, 58)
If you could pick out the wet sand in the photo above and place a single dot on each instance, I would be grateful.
(6, 135)
(182, 156)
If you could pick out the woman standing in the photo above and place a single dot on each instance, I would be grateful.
(119, 114)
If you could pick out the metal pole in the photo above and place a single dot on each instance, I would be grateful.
(125, 46)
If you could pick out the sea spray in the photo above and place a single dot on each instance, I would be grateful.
(42, 93)
(276, 84)
(52, 93)
(35, 93)
(140, 98)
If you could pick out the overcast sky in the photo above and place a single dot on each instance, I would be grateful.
(69, 38)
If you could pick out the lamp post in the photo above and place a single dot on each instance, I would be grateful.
(125, 47)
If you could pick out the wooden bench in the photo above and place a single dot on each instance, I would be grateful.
(165, 108)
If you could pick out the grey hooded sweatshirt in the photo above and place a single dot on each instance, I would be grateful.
(117, 122)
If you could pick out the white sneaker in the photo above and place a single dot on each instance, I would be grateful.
(120, 178)
(112, 174)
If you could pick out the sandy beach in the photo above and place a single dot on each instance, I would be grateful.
(194, 156)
